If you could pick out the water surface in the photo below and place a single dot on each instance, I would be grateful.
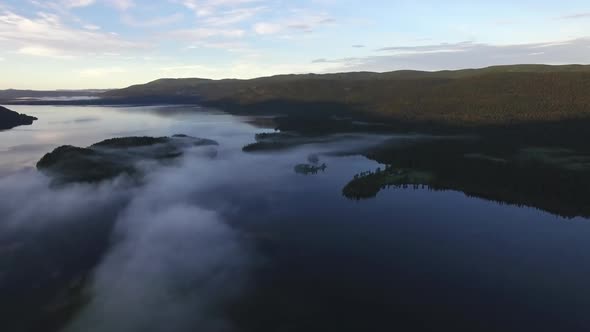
(244, 243)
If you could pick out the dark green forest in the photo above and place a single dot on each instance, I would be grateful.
(491, 96)
(551, 179)
(527, 103)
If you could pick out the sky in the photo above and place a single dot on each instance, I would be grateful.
(83, 44)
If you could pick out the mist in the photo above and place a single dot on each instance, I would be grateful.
(171, 252)
(152, 258)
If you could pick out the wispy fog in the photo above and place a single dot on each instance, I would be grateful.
(173, 264)
(161, 261)
(171, 270)
(169, 254)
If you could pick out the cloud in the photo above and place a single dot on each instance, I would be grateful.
(211, 7)
(63, 6)
(226, 13)
(43, 51)
(358, 46)
(467, 55)
(47, 35)
(154, 22)
(267, 28)
(217, 22)
(439, 48)
(233, 16)
(77, 3)
(121, 4)
(576, 16)
(299, 21)
(205, 33)
(91, 27)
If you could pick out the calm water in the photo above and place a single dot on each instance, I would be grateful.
(243, 243)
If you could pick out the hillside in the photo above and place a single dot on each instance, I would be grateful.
(10, 119)
(505, 95)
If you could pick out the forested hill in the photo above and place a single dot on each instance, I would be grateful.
(501, 95)
(10, 119)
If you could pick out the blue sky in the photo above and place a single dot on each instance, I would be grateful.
(56, 44)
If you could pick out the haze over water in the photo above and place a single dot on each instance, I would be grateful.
(241, 242)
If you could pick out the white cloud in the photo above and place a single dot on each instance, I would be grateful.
(121, 4)
(217, 22)
(576, 16)
(233, 16)
(425, 49)
(267, 28)
(466, 55)
(299, 21)
(47, 35)
(210, 7)
(43, 51)
(63, 6)
(155, 22)
(205, 33)
(77, 3)
(91, 27)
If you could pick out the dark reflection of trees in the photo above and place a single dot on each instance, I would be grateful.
(307, 169)
(498, 172)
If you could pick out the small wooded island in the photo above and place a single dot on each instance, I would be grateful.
(113, 157)
(10, 119)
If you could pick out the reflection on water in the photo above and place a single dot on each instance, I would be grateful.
(83, 126)
(551, 179)
(245, 243)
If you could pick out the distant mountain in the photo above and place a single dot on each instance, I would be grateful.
(34, 94)
(10, 119)
(502, 95)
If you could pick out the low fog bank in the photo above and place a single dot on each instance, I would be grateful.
(167, 255)
(49, 240)
(173, 270)
(151, 258)
(174, 264)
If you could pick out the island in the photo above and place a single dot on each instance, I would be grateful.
(113, 157)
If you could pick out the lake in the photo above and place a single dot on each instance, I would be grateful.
(243, 242)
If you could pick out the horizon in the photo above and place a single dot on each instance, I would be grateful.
(296, 74)
(110, 44)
